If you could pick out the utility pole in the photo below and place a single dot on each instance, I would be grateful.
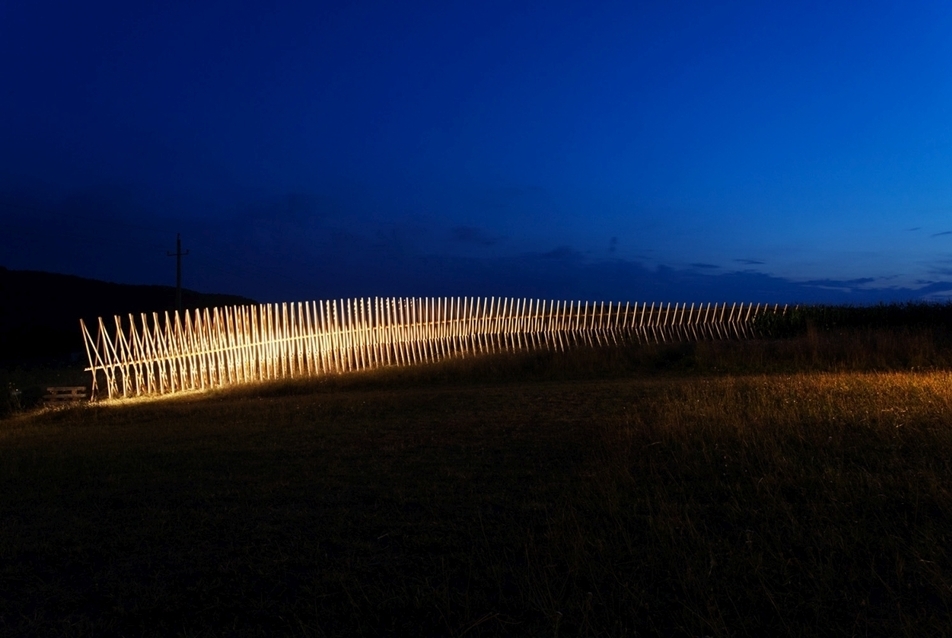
(178, 254)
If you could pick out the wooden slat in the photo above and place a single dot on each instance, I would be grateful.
(210, 348)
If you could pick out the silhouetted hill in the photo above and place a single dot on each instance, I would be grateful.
(40, 311)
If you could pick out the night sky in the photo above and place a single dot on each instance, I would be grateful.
(659, 151)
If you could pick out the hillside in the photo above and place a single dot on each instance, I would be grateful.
(40, 311)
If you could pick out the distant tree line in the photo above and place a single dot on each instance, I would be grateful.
(912, 315)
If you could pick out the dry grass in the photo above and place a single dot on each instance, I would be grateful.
(540, 495)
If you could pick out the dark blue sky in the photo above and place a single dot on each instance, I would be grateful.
(675, 151)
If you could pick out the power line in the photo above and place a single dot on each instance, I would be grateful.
(84, 227)
(178, 254)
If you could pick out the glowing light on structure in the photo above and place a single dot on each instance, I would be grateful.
(217, 347)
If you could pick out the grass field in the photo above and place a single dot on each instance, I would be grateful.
(789, 487)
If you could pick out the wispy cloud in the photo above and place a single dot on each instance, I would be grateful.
(296, 248)
(845, 283)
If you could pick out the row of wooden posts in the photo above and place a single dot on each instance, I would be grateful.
(211, 348)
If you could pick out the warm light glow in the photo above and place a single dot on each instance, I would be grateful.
(217, 347)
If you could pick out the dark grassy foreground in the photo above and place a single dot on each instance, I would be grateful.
(796, 487)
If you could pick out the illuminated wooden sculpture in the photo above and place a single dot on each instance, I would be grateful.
(212, 348)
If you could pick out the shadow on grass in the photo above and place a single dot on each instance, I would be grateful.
(787, 487)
